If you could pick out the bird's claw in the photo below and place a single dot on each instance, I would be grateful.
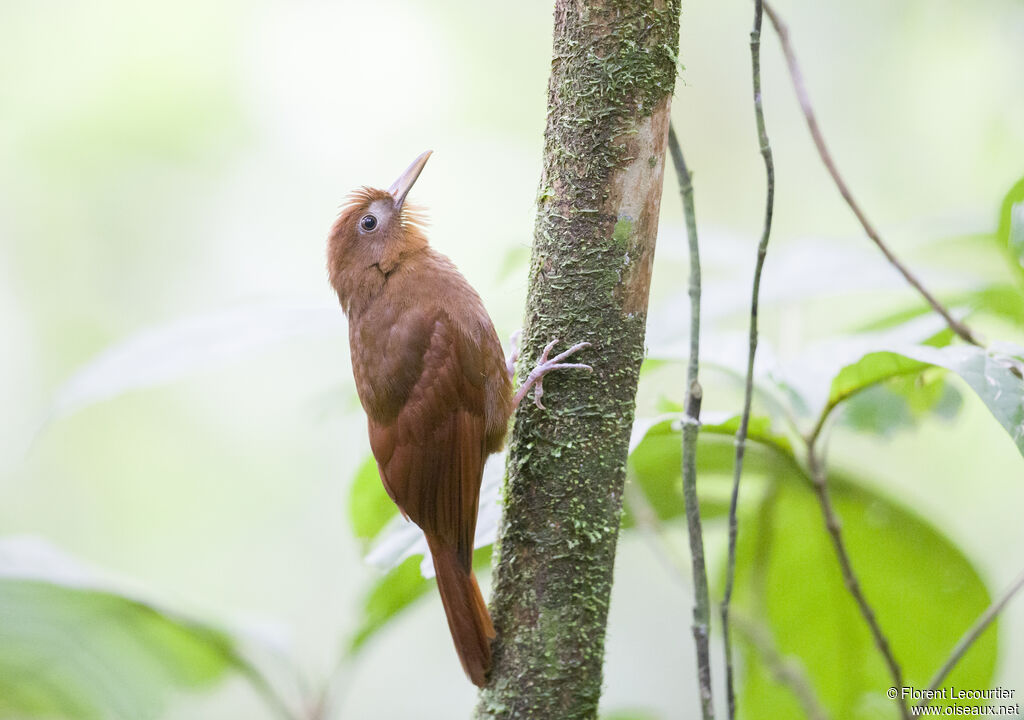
(546, 365)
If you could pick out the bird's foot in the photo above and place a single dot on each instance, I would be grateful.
(535, 379)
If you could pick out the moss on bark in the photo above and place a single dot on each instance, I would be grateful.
(613, 72)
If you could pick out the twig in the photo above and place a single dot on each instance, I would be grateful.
(691, 428)
(975, 631)
(789, 671)
(819, 142)
(834, 527)
(741, 433)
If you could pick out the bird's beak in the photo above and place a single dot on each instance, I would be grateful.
(400, 188)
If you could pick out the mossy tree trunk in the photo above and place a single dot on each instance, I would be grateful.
(612, 76)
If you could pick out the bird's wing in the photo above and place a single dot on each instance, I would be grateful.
(431, 453)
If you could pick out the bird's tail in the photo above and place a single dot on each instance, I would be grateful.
(468, 619)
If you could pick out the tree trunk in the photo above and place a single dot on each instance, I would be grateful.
(612, 76)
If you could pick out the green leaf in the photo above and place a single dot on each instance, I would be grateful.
(402, 586)
(369, 507)
(390, 595)
(831, 370)
(928, 394)
(1004, 301)
(1008, 234)
(871, 369)
(902, 402)
(993, 374)
(925, 593)
(894, 319)
(655, 466)
(652, 364)
(655, 463)
(75, 646)
(1016, 233)
(759, 430)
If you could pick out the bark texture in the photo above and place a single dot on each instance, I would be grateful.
(612, 75)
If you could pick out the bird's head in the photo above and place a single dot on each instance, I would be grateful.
(375, 231)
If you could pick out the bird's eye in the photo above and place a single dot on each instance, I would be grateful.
(368, 223)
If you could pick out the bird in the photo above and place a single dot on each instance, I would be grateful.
(434, 383)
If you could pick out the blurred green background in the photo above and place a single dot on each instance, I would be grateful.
(160, 161)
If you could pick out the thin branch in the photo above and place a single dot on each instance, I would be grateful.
(834, 527)
(691, 428)
(741, 433)
(796, 75)
(975, 631)
(788, 671)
